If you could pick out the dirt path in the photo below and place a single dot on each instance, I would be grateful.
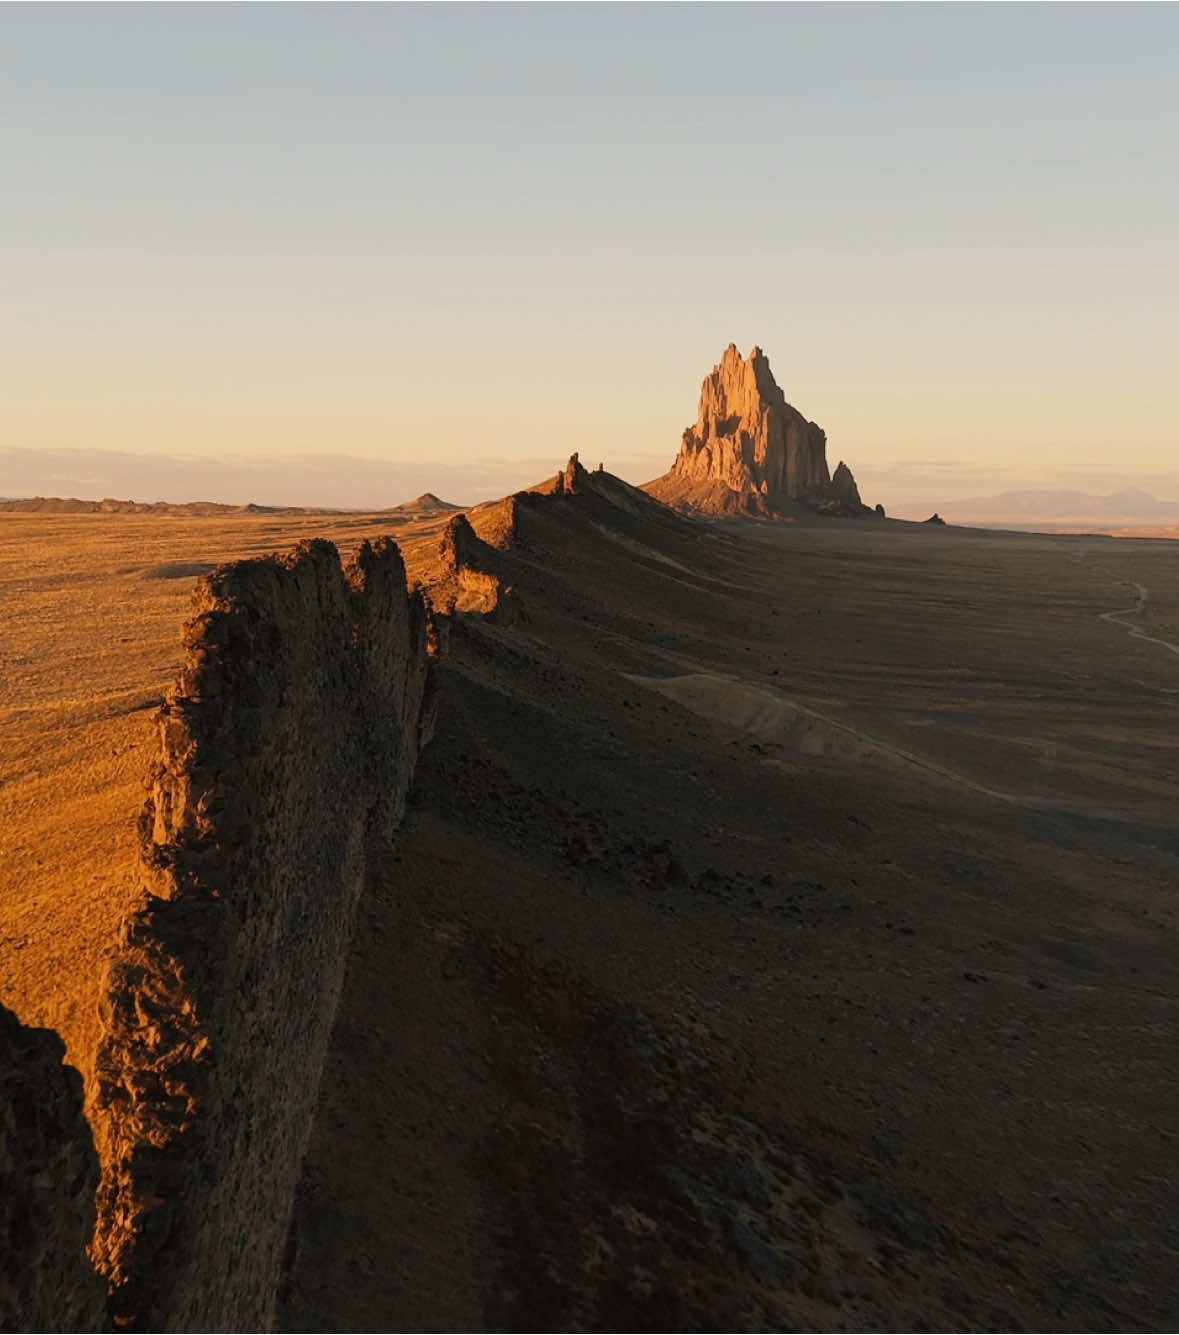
(1118, 616)
(1142, 593)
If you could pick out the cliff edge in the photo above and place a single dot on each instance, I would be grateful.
(286, 749)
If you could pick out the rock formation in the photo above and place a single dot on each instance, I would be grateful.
(568, 482)
(574, 476)
(466, 579)
(286, 749)
(48, 1174)
(751, 452)
(843, 485)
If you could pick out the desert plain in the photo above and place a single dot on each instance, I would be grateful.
(782, 934)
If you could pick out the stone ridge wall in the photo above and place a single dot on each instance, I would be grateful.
(286, 748)
(498, 525)
(48, 1174)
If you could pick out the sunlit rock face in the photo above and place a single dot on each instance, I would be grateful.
(749, 437)
(751, 451)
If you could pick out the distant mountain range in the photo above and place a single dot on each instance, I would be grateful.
(1129, 505)
(426, 504)
(70, 505)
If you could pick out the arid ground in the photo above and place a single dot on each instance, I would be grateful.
(91, 609)
(783, 933)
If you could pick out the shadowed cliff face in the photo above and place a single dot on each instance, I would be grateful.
(48, 1172)
(750, 451)
(285, 751)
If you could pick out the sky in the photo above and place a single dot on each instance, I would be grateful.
(343, 254)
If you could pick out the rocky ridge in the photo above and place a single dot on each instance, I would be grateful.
(286, 750)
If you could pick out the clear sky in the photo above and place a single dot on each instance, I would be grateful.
(295, 249)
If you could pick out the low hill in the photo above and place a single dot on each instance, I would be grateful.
(426, 504)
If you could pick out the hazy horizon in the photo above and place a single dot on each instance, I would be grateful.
(314, 251)
(908, 491)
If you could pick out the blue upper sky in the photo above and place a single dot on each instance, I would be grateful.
(497, 233)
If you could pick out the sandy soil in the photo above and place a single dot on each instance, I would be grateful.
(782, 936)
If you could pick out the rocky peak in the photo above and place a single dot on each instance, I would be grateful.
(752, 452)
(573, 476)
(843, 487)
(459, 543)
(747, 435)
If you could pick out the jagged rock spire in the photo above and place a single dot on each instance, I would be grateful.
(751, 451)
(843, 487)
(749, 437)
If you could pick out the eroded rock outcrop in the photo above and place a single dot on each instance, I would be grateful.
(574, 476)
(286, 748)
(467, 580)
(844, 489)
(48, 1174)
(751, 452)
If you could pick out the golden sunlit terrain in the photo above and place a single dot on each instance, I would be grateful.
(727, 881)
(782, 932)
(92, 610)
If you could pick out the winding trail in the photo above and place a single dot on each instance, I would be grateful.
(1142, 593)
(768, 714)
